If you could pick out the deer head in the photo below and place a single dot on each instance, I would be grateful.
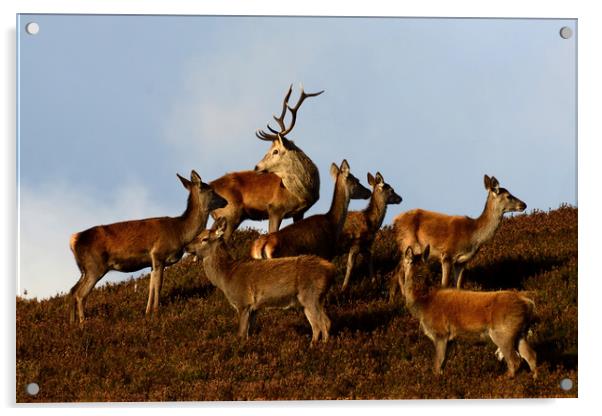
(283, 154)
(383, 190)
(502, 200)
(410, 264)
(352, 185)
(203, 193)
(202, 245)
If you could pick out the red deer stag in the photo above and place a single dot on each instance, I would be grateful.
(284, 184)
(133, 245)
(454, 240)
(361, 227)
(445, 313)
(250, 285)
(317, 234)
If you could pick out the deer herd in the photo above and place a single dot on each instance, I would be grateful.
(292, 266)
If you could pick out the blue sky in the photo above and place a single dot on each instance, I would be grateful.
(111, 107)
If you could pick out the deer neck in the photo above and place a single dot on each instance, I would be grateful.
(409, 290)
(339, 206)
(414, 302)
(218, 264)
(375, 212)
(301, 177)
(193, 220)
(488, 222)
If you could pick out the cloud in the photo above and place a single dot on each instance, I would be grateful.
(50, 213)
(228, 91)
(406, 97)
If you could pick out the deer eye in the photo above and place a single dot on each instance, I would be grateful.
(275, 152)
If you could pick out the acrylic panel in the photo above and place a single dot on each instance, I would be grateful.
(433, 117)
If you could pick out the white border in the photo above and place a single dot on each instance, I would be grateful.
(589, 30)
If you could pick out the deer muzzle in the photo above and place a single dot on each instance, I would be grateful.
(395, 199)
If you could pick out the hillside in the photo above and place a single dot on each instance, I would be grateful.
(376, 351)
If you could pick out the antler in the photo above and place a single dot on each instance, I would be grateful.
(280, 120)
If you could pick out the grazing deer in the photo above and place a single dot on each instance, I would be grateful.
(317, 234)
(360, 227)
(445, 313)
(250, 285)
(133, 245)
(454, 239)
(284, 184)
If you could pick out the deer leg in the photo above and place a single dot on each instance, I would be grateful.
(73, 300)
(314, 312)
(459, 272)
(151, 292)
(83, 288)
(158, 285)
(507, 345)
(232, 223)
(350, 263)
(313, 316)
(394, 282)
(525, 351)
(83, 292)
(325, 321)
(440, 349)
(243, 322)
(274, 222)
(446, 265)
(156, 281)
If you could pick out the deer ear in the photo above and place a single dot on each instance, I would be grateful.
(334, 171)
(409, 253)
(371, 180)
(184, 181)
(281, 140)
(194, 177)
(495, 185)
(487, 182)
(379, 178)
(345, 166)
(425, 253)
(220, 226)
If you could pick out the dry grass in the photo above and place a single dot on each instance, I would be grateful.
(376, 350)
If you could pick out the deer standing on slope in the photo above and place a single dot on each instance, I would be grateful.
(133, 245)
(284, 184)
(454, 240)
(361, 227)
(250, 285)
(445, 313)
(317, 234)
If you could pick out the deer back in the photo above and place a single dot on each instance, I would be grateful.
(127, 246)
(362, 226)
(274, 282)
(444, 233)
(462, 311)
(253, 193)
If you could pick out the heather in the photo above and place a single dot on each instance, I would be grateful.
(376, 349)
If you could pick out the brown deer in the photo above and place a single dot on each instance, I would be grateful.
(454, 240)
(250, 285)
(360, 227)
(505, 316)
(133, 245)
(284, 184)
(317, 234)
